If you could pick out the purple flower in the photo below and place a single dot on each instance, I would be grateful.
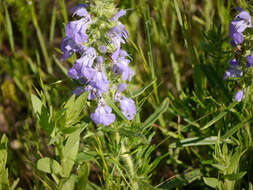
(80, 10)
(127, 105)
(118, 15)
(103, 49)
(237, 26)
(121, 88)
(239, 96)
(236, 39)
(93, 92)
(76, 30)
(79, 90)
(250, 60)
(234, 63)
(234, 70)
(118, 35)
(75, 71)
(68, 47)
(120, 65)
(242, 21)
(103, 115)
(86, 61)
(96, 77)
(233, 73)
(88, 58)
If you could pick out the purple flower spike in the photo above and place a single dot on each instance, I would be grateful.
(118, 35)
(79, 90)
(103, 49)
(69, 47)
(103, 115)
(88, 58)
(100, 60)
(97, 79)
(127, 107)
(234, 63)
(121, 65)
(234, 70)
(121, 88)
(86, 61)
(74, 72)
(77, 30)
(239, 96)
(118, 15)
(250, 60)
(237, 26)
(79, 10)
(233, 73)
(242, 21)
(236, 39)
(93, 92)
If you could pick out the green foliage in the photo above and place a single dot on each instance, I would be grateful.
(4, 174)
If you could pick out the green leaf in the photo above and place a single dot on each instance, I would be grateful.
(45, 122)
(14, 185)
(74, 107)
(3, 159)
(235, 177)
(234, 162)
(142, 90)
(72, 129)
(182, 180)
(82, 178)
(4, 141)
(220, 115)
(143, 185)
(59, 64)
(69, 184)
(9, 29)
(69, 153)
(198, 141)
(212, 182)
(36, 104)
(92, 186)
(175, 68)
(234, 129)
(130, 131)
(155, 116)
(49, 165)
(86, 156)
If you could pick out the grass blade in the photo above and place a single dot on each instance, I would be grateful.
(9, 29)
(52, 27)
(41, 39)
(234, 129)
(219, 116)
(155, 116)
(198, 141)
(150, 53)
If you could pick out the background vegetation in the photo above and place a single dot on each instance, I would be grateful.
(194, 135)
